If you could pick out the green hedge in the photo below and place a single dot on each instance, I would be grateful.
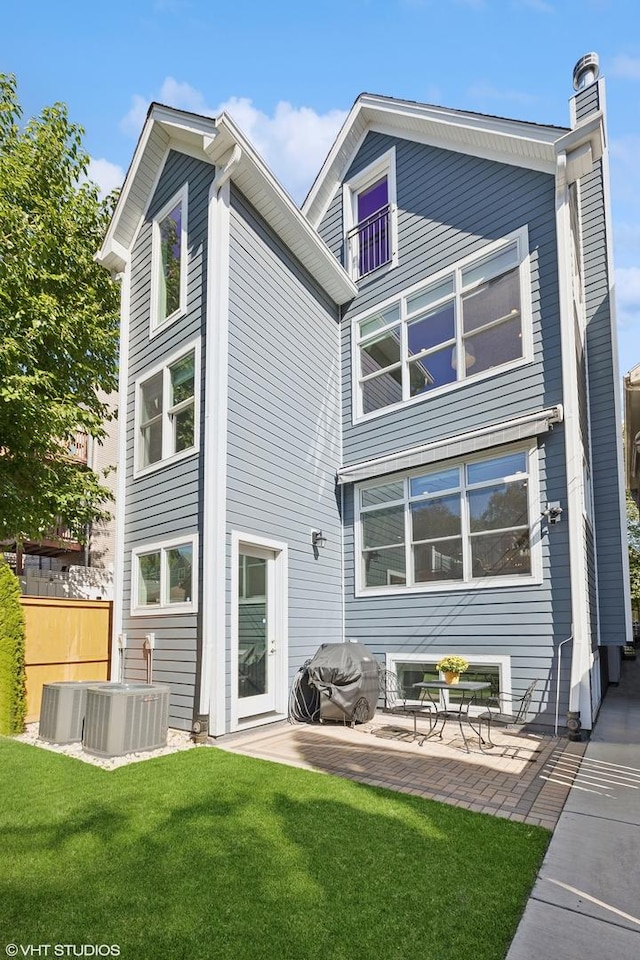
(13, 693)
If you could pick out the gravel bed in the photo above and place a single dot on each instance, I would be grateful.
(176, 740)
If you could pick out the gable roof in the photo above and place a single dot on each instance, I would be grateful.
(214, 140)
(516, 142)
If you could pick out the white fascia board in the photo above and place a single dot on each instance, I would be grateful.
(508, 141)
(590, 131)
(299, 236)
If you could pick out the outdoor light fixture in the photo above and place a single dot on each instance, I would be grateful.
(318, 539)
(553, 512)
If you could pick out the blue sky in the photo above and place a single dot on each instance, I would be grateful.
(288, 72)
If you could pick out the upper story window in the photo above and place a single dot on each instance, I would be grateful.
(370, 218)
(163, 576)
(466, 523)
(465, 322)
(169, 270)
(167, 411)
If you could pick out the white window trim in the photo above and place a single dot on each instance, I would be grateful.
(138, 470)
(385, 164)
(501, 661)
(457, 586)
(521, 236)
(156, 325)
(161, 546)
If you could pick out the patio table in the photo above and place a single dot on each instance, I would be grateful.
(458, 711)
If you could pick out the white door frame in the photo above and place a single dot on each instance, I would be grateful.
(278, 597)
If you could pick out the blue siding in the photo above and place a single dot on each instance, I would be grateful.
(165, 504)
(283, 423)
(449, 206)
(603, 378)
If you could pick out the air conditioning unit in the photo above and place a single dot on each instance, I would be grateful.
(125, 718)
(62, 710)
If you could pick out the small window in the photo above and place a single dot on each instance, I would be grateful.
(169, 275)
(164, 577)
(413, 668)
(370, 218)
(168, 412)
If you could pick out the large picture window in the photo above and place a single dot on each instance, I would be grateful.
(466, 322)
(167, 411)
(466, 523)
(163, 577)
(169, 273)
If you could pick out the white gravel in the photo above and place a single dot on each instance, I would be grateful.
(176, 740)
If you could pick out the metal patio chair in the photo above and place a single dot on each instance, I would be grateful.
(396, 701)
(495, 715)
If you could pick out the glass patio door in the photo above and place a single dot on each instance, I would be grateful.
(257, 648)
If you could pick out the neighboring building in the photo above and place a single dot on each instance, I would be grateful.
(59, 565)
(390, 416)
(631, 386)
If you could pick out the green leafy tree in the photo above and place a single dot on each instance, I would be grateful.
(58, 322)
(633, 536)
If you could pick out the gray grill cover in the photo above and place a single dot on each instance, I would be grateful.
(346, 675)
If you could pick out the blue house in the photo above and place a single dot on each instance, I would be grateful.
(391, 415)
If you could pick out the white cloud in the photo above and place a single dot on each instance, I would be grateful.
(293, 140)
(628, 295)
(107, 175)
(627, 67)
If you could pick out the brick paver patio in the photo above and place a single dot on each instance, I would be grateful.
(525, 777)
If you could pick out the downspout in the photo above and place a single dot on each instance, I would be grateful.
(579, 713)
(559, 657)
(215, 461)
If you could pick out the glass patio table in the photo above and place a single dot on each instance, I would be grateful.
(458, 710)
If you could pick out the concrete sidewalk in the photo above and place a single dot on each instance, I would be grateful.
(586, 901)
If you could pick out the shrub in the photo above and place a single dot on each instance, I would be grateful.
(13, 694)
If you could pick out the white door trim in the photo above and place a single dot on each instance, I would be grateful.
(280, 553)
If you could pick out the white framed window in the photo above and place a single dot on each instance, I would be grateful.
(168, 411)
(370, 218)
(465, 524)
(164, 577)
(466, 322)
(412, 668)
(169, 262)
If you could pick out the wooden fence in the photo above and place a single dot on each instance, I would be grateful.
(65, 640)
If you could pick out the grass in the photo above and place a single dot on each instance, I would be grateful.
(213, 856)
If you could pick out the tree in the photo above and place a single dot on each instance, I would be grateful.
(633, 536)
(58, 322)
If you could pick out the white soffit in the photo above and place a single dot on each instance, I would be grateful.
(464, 444)
(515, 142)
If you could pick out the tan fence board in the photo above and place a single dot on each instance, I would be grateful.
(65, 640)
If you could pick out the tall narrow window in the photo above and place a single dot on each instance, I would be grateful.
(370, 217)
(168, 295)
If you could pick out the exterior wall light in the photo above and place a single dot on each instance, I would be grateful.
(318, 539)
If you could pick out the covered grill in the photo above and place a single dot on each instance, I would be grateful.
(346, 678)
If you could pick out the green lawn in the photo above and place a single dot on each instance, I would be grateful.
(210, 856)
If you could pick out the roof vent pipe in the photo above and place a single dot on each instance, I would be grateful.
(586, 71)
